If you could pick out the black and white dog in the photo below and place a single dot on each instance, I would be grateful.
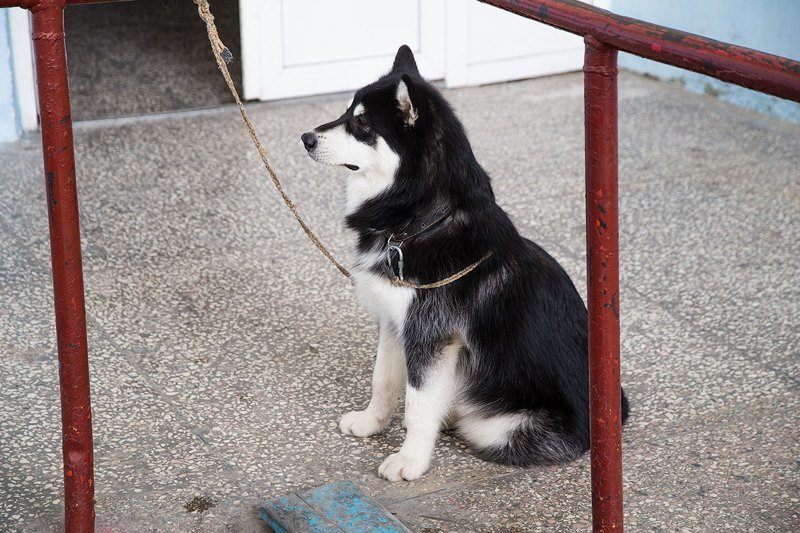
(499, 354)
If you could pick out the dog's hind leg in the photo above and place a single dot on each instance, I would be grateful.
(387, 384)
(428, 402)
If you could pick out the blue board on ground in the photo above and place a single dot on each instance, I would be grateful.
(335, 507)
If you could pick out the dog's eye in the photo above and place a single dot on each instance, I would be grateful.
(361, 120)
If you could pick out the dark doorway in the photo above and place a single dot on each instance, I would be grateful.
(147, 56)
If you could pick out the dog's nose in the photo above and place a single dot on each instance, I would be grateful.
(309, 139)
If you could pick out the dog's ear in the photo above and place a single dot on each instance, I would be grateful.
(404, 62)
(407, 96)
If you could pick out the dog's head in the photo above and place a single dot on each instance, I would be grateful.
(378, 125)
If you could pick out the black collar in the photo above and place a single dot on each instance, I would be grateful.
(394, 251)
(399, 238)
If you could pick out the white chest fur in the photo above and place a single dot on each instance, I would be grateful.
(361, 187)
(386, 301)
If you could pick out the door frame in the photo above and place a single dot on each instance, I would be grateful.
(253, 16)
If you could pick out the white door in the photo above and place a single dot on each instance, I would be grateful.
(293, 48)
(486, 45)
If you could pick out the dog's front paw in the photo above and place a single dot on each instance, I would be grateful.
(398, 466)
(361, 424)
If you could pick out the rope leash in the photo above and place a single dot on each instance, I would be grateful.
(446, 281)
(223, 56)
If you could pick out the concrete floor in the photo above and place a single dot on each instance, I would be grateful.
(148, 56)
(224, 347)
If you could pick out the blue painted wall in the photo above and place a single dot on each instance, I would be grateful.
(769, 25)
(9, 118)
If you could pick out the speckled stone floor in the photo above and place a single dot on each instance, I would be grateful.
(224, 347)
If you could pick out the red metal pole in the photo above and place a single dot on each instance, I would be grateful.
(602, 247)
(65, 249)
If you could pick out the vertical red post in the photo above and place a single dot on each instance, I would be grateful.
(602, 247)
(65, 249)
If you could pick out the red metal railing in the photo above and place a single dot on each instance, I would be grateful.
(604, 33)
(65, 252)
(602, 246)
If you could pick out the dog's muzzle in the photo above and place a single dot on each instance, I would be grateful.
(310, 141)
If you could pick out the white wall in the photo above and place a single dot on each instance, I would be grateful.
(9, 122)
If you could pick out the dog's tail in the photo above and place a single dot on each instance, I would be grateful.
(536, 440)
(626, 409)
